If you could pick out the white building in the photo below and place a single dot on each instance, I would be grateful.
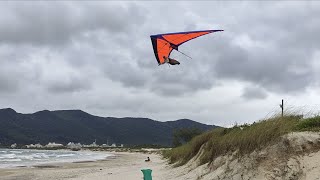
(53, 145)
(34, 146)
(74, 146)
(105, 145)
(14, 145)
(94, 144)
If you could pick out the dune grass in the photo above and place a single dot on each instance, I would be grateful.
(309, 124)
(244, 138)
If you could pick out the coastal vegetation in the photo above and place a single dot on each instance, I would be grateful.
(241, 138)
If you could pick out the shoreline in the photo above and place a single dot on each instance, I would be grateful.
(122, 165)
(25, 160)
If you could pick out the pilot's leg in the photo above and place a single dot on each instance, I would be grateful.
(173, 62)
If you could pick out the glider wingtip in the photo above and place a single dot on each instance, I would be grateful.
(216, 30)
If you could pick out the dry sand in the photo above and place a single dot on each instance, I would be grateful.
(124, 166)
(297, 156)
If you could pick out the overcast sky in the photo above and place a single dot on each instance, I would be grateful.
(98, 57)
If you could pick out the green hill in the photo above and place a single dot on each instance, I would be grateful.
(78, 126)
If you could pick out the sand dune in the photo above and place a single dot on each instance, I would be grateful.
(296, 156)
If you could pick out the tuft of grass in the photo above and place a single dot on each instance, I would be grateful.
(243, 139)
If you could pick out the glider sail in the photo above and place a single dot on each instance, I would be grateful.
(163, 44)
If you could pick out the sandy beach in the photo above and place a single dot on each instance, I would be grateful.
(272, 162)
(121, 166)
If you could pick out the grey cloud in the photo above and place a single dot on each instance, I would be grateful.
(280, 63)
(106, 46)
(126, 56)
(288, 25)
(284, 38)
(69, 85)
(28, 68)
(58, 22)
(252, 92)
(182, 80)
(15, 71)
(7, 84)
(273, 69)
(127, 74)
(51, 27)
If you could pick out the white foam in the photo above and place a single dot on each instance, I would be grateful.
(28, 157)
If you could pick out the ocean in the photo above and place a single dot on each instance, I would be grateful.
(30, 157)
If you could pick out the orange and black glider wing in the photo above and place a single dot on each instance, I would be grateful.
(163, 44)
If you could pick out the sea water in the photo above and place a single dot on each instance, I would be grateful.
(31, 157)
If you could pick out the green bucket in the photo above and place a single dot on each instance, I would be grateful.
(146, 174)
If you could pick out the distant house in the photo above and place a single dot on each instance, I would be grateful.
(34, 146)
(94, 144)
(53, 145)
(112, 145)
(74, 146)
(14, 145)
(105, 145)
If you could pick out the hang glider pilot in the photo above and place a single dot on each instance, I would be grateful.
(170, 61)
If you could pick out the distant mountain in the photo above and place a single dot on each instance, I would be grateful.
(78, 126)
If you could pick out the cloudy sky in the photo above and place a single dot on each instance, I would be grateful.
(98, 57)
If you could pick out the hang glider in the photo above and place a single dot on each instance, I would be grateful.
(163, 44)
